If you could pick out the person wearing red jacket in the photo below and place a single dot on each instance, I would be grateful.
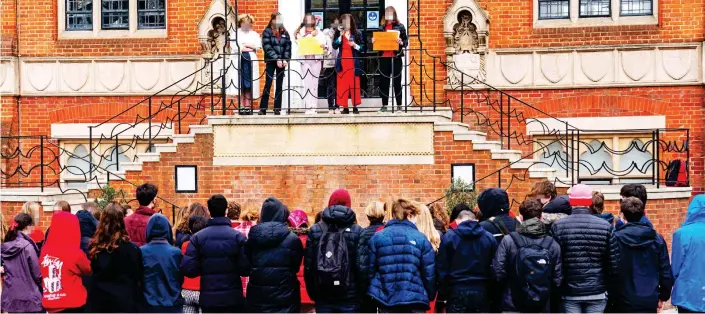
(136, 224)
(63, 263)
(298, 223)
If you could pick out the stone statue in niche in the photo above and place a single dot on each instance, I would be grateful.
(465, 33)
(217, 42)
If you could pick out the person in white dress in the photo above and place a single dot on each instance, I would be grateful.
(244, 78)
(311, 67)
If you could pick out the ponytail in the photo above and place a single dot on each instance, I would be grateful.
(18, 224)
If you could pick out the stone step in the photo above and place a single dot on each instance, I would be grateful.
(511, 155)
(449, 126)
(148, 157)
(131, 166)
(474, 136)
(541, 172)
(201, 129)
(183, 138)
(165, 148)
(487, 145)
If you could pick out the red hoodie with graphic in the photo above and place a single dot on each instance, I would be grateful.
(63, 263)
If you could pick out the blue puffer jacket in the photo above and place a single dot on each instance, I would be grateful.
(217, 254)
(687, 256)
(465, 258)
(275, 255)
(162, 279)
(644, 270)
(402, 266)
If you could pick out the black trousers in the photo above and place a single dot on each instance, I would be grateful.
(330, 78)
(271, 70)
(468, 302)
(385, 67)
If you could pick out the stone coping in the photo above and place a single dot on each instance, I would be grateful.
(410, 117)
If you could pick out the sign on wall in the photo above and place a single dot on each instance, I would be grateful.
(372, 19)
(319, 19)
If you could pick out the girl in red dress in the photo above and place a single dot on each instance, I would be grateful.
(349, 64)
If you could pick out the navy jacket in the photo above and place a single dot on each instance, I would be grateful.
(464, 259)
(644, 270)
(88, 225)
(276, 48)
(342, 217)
(643, 219)
(160, 259)
(402, 266)
(181, 238)
(363, 251)
(494, 206)
(217, 254)
(275, 255)
(358, 54)
(589, 250)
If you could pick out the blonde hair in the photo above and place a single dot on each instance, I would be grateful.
(31, 209)
(250, 212)
(375, 211)
(244, 18)
(424, 222)
(389, 208)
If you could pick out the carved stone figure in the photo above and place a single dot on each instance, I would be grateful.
(465, 33)
(217, 42)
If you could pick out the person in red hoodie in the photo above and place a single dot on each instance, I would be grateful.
(136, 224)
(63, 263)
(298, 223)
(191, 288)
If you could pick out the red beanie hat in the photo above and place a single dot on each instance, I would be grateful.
(580, 195)
(340, 197)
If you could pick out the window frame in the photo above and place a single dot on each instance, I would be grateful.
(67, 12)
(614, 19)
(146, 10)
(538, 8)
(617, 141)
(97, 32)
(609, 9)
(130, 150)
(104, 13)
(622, 14)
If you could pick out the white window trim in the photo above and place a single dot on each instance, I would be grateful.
(614, 20)
(98, 33)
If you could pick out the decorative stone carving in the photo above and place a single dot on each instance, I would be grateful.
(75, 75)
(633, 63)
(111, 74)
(40, 75)
(214, 27)
(465, 28)
(554, 66)
(147, 74)
(181, 72)
(595, 65)
(676, 63)
(515, 67)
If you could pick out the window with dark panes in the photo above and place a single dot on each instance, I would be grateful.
(115, 14)
(360, 10)
(636, 7)
(79, 15)
(151, 14)
(594, 8)
(554, 9)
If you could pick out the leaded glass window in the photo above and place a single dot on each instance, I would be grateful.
(636, 7)
(594, 8)
(553, 9)
(79, 15)
(151, 14)
(115, 14)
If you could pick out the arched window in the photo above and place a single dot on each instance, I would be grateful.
(109, 161)
(595, 159)
(554, 156)
(637, 159)
(77, 163)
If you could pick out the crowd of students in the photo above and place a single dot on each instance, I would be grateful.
(562, 254)
(341, 64)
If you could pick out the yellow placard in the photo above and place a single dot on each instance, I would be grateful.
(386, 41)
(309, 46)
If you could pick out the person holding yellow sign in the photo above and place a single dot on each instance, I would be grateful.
(312, 45)
(390, 64)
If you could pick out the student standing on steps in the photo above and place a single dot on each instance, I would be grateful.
(276, 44)
(391, 63)
(349, 64)
(311, 66)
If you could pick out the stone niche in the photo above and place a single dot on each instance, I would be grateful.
(465, 28)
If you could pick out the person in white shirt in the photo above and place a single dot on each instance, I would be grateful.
(247, 43)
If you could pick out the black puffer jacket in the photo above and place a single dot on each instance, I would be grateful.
(342, 217)
(363, 251)
(276, 47)
(494, 206)
(275, 255)
(589, 250)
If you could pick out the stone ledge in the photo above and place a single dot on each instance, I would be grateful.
(411, 117)
(323, 161)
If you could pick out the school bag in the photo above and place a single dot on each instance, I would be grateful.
(332, 263)
(676, 173)
(501, 227)
(531, 290)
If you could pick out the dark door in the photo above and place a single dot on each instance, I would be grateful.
(360, 10)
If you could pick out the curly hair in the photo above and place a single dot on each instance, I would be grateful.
(196, 209)
(250, 212)
(111, 231)
(544, 188)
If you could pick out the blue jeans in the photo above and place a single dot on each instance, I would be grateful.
(337, 308)
(591, 306)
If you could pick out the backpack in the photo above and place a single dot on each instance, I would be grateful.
(332, 263)
(676, 173)
(531, 290)
(501, 227)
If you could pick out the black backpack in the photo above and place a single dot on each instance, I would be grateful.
(531, 289)
(501, 227)
(332, 265)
